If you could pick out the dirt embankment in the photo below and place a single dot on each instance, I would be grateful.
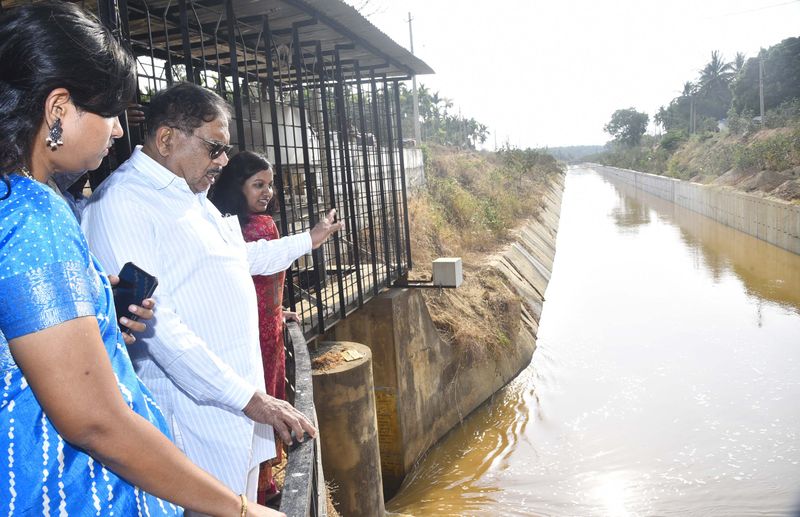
(766, 162)
(472, 208)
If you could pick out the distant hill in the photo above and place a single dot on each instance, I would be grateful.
(574, 153)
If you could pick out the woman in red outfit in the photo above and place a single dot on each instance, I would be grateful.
(244, 189)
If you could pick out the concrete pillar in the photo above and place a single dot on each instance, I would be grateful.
(345, 404)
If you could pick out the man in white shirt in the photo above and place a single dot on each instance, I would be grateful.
(200, 356)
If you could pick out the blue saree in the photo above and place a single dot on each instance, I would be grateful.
(47, 276)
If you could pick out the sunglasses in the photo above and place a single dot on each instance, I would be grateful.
(215, 149)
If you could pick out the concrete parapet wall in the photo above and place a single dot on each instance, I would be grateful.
(773, 221)
(414, 167)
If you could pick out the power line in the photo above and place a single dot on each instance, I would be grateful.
(751, 10)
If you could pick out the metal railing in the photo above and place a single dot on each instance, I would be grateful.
(330, 126)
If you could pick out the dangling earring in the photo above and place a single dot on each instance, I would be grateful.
(54, 136)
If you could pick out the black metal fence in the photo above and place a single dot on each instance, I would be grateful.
(300, 95)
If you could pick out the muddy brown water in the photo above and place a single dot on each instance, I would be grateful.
(666, 379)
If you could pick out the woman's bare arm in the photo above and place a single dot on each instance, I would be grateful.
(69, 371)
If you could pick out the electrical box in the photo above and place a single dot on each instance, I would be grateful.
(447, 272)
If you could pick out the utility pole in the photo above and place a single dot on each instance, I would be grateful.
(761, 87)
(417, 135)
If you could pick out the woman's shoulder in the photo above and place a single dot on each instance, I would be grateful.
(260, 226)
(36, 227)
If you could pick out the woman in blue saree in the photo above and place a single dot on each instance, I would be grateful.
(79, 433)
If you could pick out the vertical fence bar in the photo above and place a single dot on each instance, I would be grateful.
(376, 124)
(110, 16)
(276, 146)
(187, 46)
(261, 90)
(220, 77)
(247, 94)
(203, 63)
(392, 172)
(347, 187)
(151, 45)
(329, 165)
(168, 70)
(311, 178)
(234, 66)
(406, 222)
(367, 178)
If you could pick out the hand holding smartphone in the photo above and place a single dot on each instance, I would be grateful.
(135, 284)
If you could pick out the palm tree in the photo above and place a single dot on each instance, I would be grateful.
(716, 73)
(738, 63)
(715, 92)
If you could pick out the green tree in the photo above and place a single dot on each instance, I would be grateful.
(627, 126)
(781, 64)
(738, 63)
(714, 90)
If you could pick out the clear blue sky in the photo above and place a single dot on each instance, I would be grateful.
(550, 73)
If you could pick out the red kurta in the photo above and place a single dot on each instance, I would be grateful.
(269, 290)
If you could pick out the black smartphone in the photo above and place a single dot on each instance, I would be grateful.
(135, 284)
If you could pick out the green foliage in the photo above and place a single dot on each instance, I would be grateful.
(574, 153)
(627, 126)
(426, 153)
(437, 124)
(742, 123)
(786, 114)
(485, 195)
(693, 145)
(673, 139)
(778, 152)
(648, 157)
(714, 94)
(781, 64)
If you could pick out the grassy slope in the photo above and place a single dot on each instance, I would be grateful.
(765, 161)
(471, 203)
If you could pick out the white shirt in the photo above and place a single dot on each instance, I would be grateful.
(200, 355)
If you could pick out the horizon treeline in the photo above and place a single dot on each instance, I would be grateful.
(731, 89)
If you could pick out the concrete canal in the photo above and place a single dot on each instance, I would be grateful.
(666, 379)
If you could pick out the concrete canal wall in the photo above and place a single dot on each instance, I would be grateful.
(423, 385)
(774, 221)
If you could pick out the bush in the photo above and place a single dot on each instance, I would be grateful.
(673, 139)
(742, 123)
(787, 114)
(778, 152)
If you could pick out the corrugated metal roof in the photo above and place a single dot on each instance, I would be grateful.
(351, 21)
(331, 22)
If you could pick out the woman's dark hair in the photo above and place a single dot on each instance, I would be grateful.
(52, 45)
(227, 193)
(184, 106)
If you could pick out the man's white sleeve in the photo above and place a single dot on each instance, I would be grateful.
(270, 257)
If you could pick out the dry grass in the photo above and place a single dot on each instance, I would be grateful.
(482, 316)
(472, 202)
(327, 361)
